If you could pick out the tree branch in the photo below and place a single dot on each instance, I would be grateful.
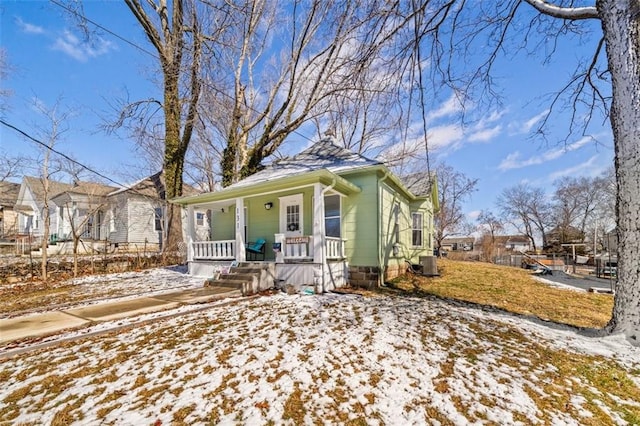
(571, 13)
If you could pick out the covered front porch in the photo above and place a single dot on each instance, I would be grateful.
(299, 228)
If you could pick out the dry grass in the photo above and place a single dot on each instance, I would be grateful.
(512, 289)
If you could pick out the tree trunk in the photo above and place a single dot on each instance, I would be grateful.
(621, 26)
(46, 219)
(173, 157)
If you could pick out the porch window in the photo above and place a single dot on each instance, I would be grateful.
(417, 230)
(293, 217)
(158, 219)
(332, 216)
(200, 219)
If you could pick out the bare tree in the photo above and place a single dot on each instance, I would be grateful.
(490, 225)
(576, 202)
(454, 188)
(528, 210)
(11, 166)
(81, 205)
(50, 132)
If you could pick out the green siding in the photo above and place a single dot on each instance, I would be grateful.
(367, 220)
(360, 221)
(223, 224)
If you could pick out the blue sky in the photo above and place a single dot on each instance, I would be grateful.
(50, 60)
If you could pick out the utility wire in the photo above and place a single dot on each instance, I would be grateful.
(137, 46)
(63, 155)
(74, 12)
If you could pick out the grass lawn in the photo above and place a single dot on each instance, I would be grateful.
(512, 289)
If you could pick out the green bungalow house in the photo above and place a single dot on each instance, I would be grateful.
(323, 218)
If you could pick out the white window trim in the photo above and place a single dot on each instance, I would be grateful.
(414, 229)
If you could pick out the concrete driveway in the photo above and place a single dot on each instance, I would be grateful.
(48, 323)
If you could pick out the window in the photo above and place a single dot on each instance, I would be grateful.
(293, 217)
(112, 220)
(417, 230)
(158, 218)
(200, 219)
(332, 216)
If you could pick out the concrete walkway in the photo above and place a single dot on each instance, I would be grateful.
(48, 323)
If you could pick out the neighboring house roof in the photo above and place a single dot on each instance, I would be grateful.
(9, 193)
(512, 239)
(152, 187)
(458, 240)
(36, 186)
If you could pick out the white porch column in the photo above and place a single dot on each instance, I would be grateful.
(318, 225)
(240, 243)
(191, 232)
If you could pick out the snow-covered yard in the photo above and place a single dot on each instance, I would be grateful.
(329, 359)
(23, 298)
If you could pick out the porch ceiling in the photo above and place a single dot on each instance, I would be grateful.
(323, 176)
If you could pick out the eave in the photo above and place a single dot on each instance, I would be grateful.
(322, 176)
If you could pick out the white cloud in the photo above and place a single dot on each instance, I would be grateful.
(71, 45)
(450, 107)
(588, 168)
(444, 136)
(473, 215)
(526, 126)
(485, 135)
(514, 160)
(29, 28)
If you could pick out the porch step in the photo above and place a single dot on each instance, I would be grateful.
(250, 278)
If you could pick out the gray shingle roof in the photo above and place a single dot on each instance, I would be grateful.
(152, 187)
(418, 183)
(8, 193)
(56, 188)
(324, 154)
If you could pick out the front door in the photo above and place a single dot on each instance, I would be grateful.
(291, 216)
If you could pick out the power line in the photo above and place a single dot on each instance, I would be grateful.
(211, 87)
(74, 161)
(82, 17)
(62, 154)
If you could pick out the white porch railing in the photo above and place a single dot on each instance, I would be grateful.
(292, 249)
(213, 250)
(334, 247)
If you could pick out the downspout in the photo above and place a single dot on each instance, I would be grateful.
(323, 243)
(381, 267)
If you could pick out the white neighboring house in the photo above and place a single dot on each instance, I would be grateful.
(81, 212)
(30, 206)
(136, 215)
(128, 218)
